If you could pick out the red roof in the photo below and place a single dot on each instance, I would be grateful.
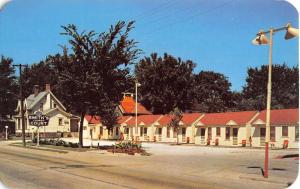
(123, 119)
(146, 119)
(92, 119)
(281, 117)
(187, 118)
(165, 120)
(128, 106)
(240, 118)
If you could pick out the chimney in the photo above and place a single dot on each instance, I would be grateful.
(48, 88)
(36, 90)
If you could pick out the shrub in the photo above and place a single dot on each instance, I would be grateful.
(128, 145)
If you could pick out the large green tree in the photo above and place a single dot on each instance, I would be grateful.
(166, 83)
(285, 87)
(212, 92)
(8, 88)
(92, 76)
(38, 74)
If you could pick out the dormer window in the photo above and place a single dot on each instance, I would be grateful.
(60, 121)
(41, 107)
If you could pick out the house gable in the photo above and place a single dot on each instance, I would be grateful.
(231, 123)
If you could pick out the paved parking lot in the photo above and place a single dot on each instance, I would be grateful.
(169, 166)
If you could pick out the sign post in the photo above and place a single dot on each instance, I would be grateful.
(38, 120)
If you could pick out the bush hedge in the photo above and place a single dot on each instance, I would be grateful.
(56, 142)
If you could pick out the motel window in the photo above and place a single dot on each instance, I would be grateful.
(60, 121)
(101, 130)
(168, 132)
(285, 131)
(272, 134)
(227, 133)
(117, 131)
(54, 105)
(218, 131)
(145, 130)
(84, 127)
(174, 133)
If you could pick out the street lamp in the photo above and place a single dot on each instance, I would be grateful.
(137, 84)
(6, 127)
(3, 3)
(261, 39)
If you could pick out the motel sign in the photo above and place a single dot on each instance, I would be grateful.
(38, 119)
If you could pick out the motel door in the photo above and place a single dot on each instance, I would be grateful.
(159, 134)
(262, 136)
(183, 133)
(202, 135)
(209, 133)
(235, 136)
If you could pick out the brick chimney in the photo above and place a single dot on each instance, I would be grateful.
(36, 90)
(48, 88)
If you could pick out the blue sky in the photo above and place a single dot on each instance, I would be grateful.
(216, 35)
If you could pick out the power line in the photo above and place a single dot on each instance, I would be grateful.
(189, 18)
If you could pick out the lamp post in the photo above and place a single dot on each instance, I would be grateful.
(261, 39)
(137, 84)
(6, 127)
(3, 3)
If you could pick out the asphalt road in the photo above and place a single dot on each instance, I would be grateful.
(195, 167)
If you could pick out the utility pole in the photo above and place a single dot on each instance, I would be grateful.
(22, 104)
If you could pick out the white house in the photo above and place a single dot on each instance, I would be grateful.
(61, 123)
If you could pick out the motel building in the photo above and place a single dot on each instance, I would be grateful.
(284, 128)
(245, 128)
(94, 129)
(92, 125)
(225, 129)
(61, 123)
(186, 131)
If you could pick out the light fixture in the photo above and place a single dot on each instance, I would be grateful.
(291, 32)
(261, 39)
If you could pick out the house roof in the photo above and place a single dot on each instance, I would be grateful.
(60, 110)
(123, 119)
(92, 119)
(144, 119)
(165, 120)
(97, 119)
(127, 106)
(187, 118)
(279, 117)
(227, 118)
(32, 100)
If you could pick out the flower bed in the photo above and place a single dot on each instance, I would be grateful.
(57, 142)
(127, 147)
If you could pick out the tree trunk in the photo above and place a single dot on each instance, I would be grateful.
(81, 130)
